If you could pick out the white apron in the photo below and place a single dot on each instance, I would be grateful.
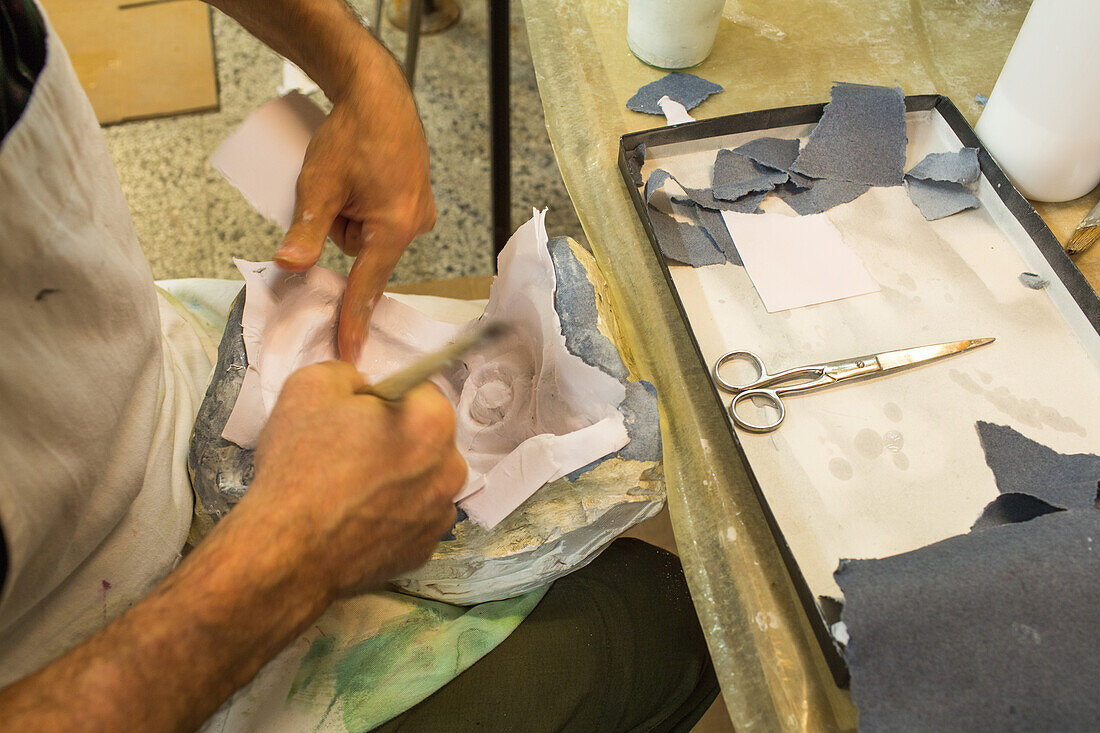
(96, 404)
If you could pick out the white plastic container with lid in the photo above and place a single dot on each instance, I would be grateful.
(1042, 121)
(672, 34)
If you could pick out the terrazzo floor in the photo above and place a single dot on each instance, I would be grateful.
(191, 223)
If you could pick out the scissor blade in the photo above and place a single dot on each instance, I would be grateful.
(902, 358)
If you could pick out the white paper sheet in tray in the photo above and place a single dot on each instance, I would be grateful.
(878, 467)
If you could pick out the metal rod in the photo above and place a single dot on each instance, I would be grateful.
(376, 25)
(412, 33)
(500, 154)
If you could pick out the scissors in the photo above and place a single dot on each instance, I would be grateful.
(766, 387)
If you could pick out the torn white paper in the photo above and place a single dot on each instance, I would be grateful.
(528, 411)
(286, 325)
(675, 113)
(262, 157)
(296, 80)
(290, 322)
(795, 261)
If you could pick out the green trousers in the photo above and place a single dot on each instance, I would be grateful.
(615, 646)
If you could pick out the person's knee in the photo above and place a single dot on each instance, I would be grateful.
(613, 646)
(647, 577)
(655, 667)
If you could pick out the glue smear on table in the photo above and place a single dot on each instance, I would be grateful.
(795, 261)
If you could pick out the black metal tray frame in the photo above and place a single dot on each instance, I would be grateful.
(1079, 288)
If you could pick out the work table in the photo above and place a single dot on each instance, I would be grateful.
(766, 55)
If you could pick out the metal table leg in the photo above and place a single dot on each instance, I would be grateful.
(500, 124)
(412, 35)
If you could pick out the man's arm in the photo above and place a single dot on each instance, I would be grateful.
(365, 180)
(348, 492)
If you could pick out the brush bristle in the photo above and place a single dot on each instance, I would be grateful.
(1082, 239)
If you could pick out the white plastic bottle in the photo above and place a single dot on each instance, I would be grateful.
(1042, 122)
(672, 34)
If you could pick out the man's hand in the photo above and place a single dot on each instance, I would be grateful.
(365, 182)
(361, 489)
(349, 491)
(365, 179)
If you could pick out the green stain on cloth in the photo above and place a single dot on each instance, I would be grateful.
(373, 679)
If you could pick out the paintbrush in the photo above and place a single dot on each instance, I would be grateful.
(1087, 232)
(395, 386)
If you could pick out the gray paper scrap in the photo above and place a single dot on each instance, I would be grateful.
(657, 180)
(702, 197)
(960, 167)
(860, 137)
(1022, 466)
(706, 217)
(575, 303)
(639, 411)
(687, 89)
(937, 199)
(1033, 280)
(774, 152)
(635, 159)
(683, 242)
(642, 420)
(715, 227)
(735, 175)
(981, 99)
(820, 196)
(1012, 508)
(993, 630)
(800, 181)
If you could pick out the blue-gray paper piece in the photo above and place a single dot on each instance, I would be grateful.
(575, 303)
(937, 199)
(683, 242)
(1012, 508)
(996, 630)
(657, 180)
(774, 152)
(1022, 466)
(960, 167)
(1033, 280)
(715, 227)
(702, 197)
(687, 89)
(820, 196)
(860, 137)
(797, 180)
(735, 175)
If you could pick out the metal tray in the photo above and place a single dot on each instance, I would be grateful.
(1078, 304)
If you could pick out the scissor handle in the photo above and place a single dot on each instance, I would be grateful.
(767, 395)
(732, 356)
